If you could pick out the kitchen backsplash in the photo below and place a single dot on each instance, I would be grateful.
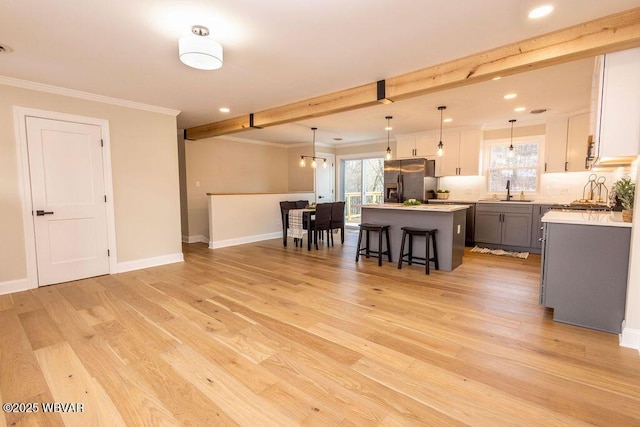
(554, 187)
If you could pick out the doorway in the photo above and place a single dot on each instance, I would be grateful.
(325, 178)
(362, 182)
(67, 196)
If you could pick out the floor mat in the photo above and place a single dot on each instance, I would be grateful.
(501, 252)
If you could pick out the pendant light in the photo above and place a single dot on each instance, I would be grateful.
(313, 157)
(511, 153)
(440, 144)
(388, 129)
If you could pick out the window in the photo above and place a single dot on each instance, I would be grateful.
(363, 182)
(521, 169)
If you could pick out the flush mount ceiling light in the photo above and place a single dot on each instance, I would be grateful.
(199, 51)
(511, 153)
(388, 129)
(440, 144)
(541, 11)
(313, 158)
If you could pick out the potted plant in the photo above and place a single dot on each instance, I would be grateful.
(625, 190)
(443, 194)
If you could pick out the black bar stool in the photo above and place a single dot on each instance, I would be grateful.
(367, 251)
(411, 231)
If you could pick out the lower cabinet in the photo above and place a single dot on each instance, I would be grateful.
(536, 224)
(503, 224)
(584, 274)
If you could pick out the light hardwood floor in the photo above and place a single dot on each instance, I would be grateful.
(264, 335)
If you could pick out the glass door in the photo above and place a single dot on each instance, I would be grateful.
(363, 182)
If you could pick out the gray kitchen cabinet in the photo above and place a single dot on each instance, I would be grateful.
(584, 274)
(503, 224)
(536, 225)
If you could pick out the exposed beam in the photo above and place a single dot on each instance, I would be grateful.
(603, 35)
(608, 34)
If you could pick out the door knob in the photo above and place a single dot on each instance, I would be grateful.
(43, 213)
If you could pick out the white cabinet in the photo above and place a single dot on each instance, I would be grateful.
(566, 143)
(618, 116)
(416, 145)
(577, 143)
(555, 153)
(461, 153)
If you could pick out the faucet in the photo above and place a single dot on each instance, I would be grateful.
(509, 196)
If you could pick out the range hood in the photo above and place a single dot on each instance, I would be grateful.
(611, 163)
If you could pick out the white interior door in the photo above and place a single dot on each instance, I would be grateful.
(68, 199)
(325, 178)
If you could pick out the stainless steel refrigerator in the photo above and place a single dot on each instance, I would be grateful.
(409, 179)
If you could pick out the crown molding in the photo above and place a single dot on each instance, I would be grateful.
(56, 90)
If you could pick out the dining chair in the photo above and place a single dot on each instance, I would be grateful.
(301, 204)
(337, 220)
(284, 214)
(323, 221)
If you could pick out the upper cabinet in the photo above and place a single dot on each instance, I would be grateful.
(566, 143)
(617, 131)
(461, 150)
(416, 145)
(461, 153)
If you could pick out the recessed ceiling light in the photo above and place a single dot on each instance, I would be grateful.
(224, 110)
(448, 120)
(388, 128)
(541, 11)
(519, 109)
(510, 95)
(497, 78)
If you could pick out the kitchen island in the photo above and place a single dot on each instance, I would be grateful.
(449, 220)
(585, 260)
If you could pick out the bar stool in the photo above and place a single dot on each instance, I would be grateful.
(412, 231)
(379, 229)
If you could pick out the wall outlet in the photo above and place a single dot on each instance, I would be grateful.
(197, 184)
(458, 228)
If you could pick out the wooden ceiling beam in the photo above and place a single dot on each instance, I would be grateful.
(603, 35)
(608, 34)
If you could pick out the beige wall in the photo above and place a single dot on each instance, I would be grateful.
(517, 132)
(145, 177)
(374, 147)
(228, 166)
(300, 179)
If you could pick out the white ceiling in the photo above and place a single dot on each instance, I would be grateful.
(281, 51)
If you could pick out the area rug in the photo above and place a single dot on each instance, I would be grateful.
(501, 252)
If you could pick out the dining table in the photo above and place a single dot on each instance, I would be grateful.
(299, 222)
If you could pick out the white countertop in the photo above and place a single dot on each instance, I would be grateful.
(422, 208)
(609, 219)
(515, 200)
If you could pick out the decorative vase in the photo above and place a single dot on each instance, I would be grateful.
(627, 215)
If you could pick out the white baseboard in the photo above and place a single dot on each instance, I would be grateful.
(149, 262)
(244, 239)
(195, 239)
(12, 286)
(630, 338)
